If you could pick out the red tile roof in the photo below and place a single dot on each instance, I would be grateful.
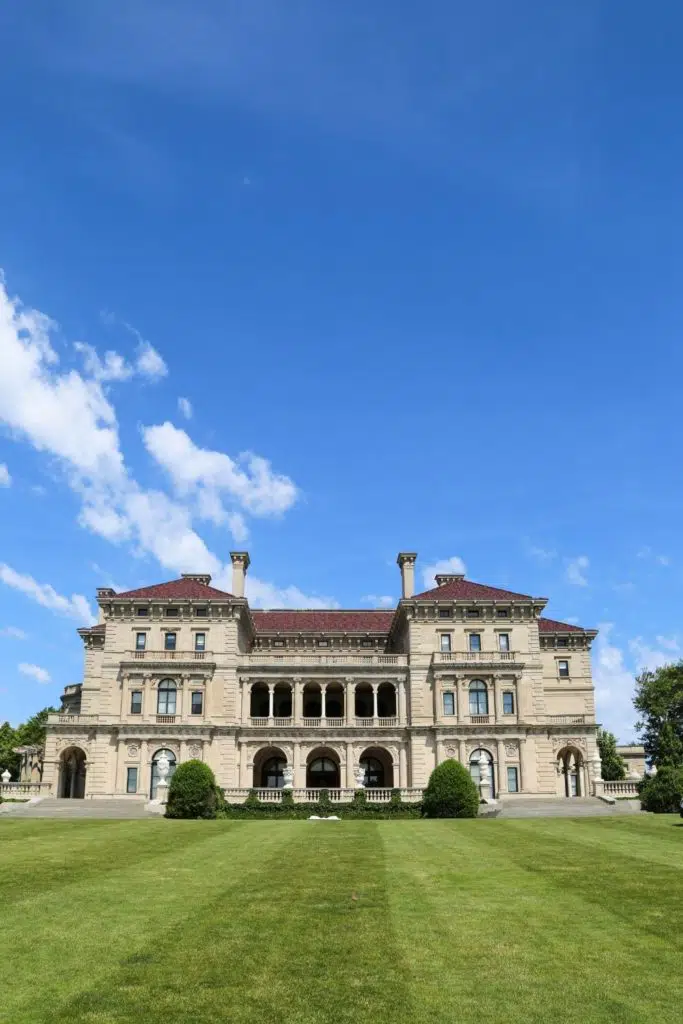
(315, 621)
(553, 626)
(465, 589)
(176, 589)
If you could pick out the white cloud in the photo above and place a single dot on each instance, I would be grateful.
(149, 363)
(248, 479)
(13, 631)
(576, 568)
(268, 595)
(112, 368)
(542, 554)
(379, 600)
(614, 686)
(41, 675)
(652, 556)
(5, 478)
(76, 606)
(454, 564)
(650, 658)
(185, 407)
(669, 643)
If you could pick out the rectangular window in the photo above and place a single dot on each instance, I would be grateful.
(563, 669)
(366, 643)
(200, 641)
(513, 780)
(132, 780)
(140, 641)
(472, 613)
(323, 643)
(445, 613)
(475, 641)
(171, 613)
(136, 702)
(449, 703)
(446, 642)
(169, 641)
(504, 641)
(200, 613)
(562, 641)
(501, 613)
(278, 643)
(142, 612)
(508, 703)
(197, 702)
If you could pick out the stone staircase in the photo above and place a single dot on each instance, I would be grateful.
(577, 807)
(50, 807)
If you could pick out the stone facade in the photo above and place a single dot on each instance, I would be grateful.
(319, 696)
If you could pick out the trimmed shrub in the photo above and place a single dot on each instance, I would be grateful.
(663, 792)
(450, 792)
(192, 791)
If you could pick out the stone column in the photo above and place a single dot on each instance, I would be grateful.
(502, 770)
(350, 780)
(462, 753)
(299, 783)
(243, 767)
(296, 702)
(401, 705)
(527, 782)
(439, 750)
(374, 702)
(271, 693)
(323, 701)
(496, 699)
(246, 700)
(402, 767)
(349, 701)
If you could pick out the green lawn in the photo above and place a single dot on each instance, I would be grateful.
(554, 920)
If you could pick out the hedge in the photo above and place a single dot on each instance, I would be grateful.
(192, 792)
(359, 808)
(451, 792)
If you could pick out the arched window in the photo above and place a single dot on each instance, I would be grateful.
(155, 768)
(374, 772)
(479, 698)
(475, 768)
(323, 773)
(166, 697)
(272, 776)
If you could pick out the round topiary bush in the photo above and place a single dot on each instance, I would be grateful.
(663, 792)
(192, 791)
(450, 793)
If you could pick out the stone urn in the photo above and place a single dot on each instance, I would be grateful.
(360, 777)
(5, 777)
(484, 778)
(163, 766)
(288, 777)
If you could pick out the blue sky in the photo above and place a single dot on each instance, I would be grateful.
(424, 265)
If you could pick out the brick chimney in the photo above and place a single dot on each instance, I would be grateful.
(240, 563)
(406, 563)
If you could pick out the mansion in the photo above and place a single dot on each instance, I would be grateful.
(326, 699)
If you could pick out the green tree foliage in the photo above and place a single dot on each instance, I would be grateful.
(613, 765)
(451, 792)
(663, 792)
(29, 734)
(659, 700)
(192, 791)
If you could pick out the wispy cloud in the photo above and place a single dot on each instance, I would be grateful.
(541, 554)
(649, 555)
(379, 600)
(41, 675)
(576, 571)
(76, 606)
(614, 685)
(5, 478)
(454, 564)
(185, 407)
(15, 632)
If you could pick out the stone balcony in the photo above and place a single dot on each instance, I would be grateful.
(324, 723)
(66, 719)
(268, 661)
(179, 658)
(569, 719)
(466, 659)
(238, 795)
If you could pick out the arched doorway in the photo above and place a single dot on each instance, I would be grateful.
(475, 768)
(570, 768)
(322, 769)
(72, 769)
(269, 766)
(155, 770)
(379, 768)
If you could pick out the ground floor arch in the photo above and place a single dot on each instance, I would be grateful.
(72, 773)
(571, 772)
(269, 765)
(475, 768)
(172, 763)
(322, 769)
(379, 768)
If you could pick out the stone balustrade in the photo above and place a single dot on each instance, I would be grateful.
(337, 796)
(621, 788)
(567, 719)
(23, 790)
(63, 718)
(474, 657)
(265, 658)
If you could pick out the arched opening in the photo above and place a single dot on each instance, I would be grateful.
(313, 701)
(334, 701)
(479, 698)
(167, 693)
(269, 766)
(72, 769)
(570, 765)
(475, 768)
(155, 770)
(258, 707)
(282, 700)
(379, 768)
(322, 769)
(363, 706)
(386, 701)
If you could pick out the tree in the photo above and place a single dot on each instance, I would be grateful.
(192, 791)
(32, 732)
(450, 793)
(659, 699)
(29, 734)
(613, 765)
(663, 792)
(8, 759)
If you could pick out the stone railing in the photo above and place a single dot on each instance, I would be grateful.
(337, 796)
(65, 719)
(23, 790)
(323, 723)
(478, 657)
(296, 658)
(169, 655)
(567, 719)
(621, 788)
